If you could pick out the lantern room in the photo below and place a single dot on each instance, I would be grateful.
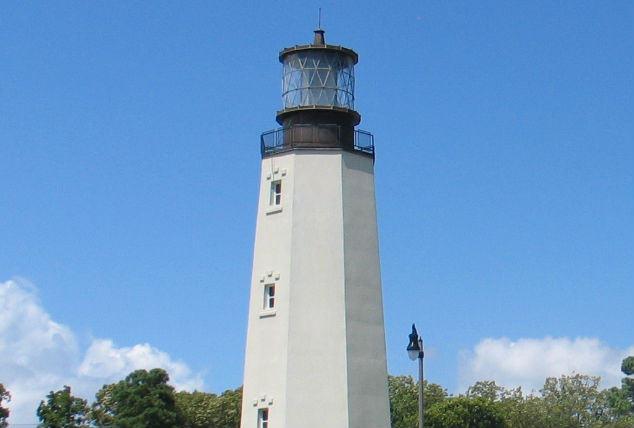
(318, 75)
(317, 100)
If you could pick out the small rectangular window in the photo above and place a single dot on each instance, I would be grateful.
(276, 193)
(263, 418)
(269, 296)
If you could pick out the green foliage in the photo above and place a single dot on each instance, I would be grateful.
(196, 408)
(103, 408)
(464, 412)
(205, 410)
(565, 402)
(62, 410)
(518, 411)
(486, 389)
(229, 408)
(618, 400)
(573, 401)
(627, 383)
(145, 400)
(627, 366)
(403, 391)
(619, 409)
(142, 400)
(522, 411)
(4, 413)
(434, 393)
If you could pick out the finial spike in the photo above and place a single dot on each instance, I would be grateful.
(319, 20)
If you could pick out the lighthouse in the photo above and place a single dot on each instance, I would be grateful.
(315, 350)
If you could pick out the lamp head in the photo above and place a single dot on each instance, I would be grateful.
(413, 349)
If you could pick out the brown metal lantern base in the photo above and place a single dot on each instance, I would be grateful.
(316, 126)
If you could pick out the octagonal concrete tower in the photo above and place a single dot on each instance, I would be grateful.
(315, 353)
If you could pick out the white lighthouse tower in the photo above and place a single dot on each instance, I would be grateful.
(315, 353)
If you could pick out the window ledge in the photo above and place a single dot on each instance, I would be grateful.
(274, 209)
(268, 313)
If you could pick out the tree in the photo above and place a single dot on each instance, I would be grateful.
(627, 365)
(574, 401)
(486, 389)
(565, 402)
(205, 410)
(142, 400)
(618, 412)
(229, 406)
(463, 412)
(4, 413)
(627, 383)
(403, 391)
(196, 408)
(620, 401)
(522, 411)
(102, 410)
(62, 410)
(518, 411)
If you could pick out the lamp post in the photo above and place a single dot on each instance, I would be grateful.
(415, 350)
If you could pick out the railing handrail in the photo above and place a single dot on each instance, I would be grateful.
(273, 141)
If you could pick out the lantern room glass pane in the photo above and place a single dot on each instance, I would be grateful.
(318, 77)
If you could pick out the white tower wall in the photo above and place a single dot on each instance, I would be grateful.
(317, 359)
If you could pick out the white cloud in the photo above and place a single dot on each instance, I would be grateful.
(104, 360)
(528, 362)
(38, 355)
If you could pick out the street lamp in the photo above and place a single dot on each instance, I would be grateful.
(415, 350)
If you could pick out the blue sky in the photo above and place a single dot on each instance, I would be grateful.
(129, 142)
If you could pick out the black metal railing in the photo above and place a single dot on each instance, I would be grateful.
(316, 136)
